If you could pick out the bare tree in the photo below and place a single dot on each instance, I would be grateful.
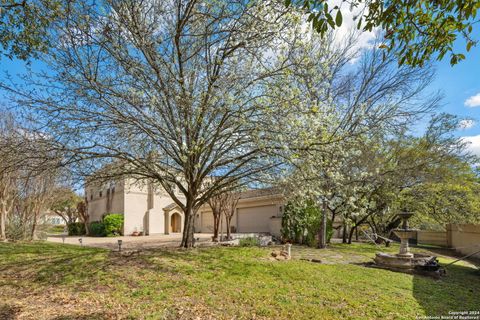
(215, 203)
(9, 172)
(29, 170)
(7, 200)
(229, 202)
(36, 193)
(82, 210)
(171, 90)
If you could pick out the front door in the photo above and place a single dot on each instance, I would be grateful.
(175, 223)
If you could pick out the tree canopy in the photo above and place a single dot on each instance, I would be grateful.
(414, 30)
(25, 26)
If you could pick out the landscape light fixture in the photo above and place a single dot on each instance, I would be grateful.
(119, 245)
(81, 242)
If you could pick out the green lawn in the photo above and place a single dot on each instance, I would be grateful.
(53, 281)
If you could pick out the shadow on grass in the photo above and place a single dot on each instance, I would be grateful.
(50, 264)
(54, 264)
(89, 316)
(459, 290)
(238, 261)
(8, 312)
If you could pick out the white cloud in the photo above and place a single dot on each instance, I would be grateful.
(473, 144)
(473, 101)
(466, 124)
(364, 39)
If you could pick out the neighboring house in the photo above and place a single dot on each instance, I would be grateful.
(52, 218)
(152, 211)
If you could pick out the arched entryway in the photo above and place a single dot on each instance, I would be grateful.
(176, 223)
(174, 219)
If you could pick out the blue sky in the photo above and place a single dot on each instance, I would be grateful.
(460, 84)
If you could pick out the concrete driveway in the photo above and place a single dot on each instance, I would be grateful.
(131, 243)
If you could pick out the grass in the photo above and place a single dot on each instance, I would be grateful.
(53, 281)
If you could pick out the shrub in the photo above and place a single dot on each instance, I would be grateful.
(113, 224)
(97, 229)
(249, 242)
(301, 222)
(15, 229)
(76, 229)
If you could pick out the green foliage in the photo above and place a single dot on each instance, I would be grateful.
(301, 222)
(443, 202)
(65, 199)
(97, 229)
(113, 223)
(25, 26)
(414, 31)
(76, 229)
(249, 242)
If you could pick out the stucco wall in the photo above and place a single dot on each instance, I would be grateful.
(437, 238)
(464, 238)
(135, 212)
(276, 226)
(97, 205)
(131, 199)
(255, 203)
(138, 216)
(157, 215)
(205, 214)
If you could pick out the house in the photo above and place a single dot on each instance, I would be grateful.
(152, 211)
(52, 218)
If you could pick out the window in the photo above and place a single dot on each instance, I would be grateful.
(91, 194)
(100, 194)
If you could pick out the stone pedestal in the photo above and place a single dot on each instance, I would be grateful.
(404, 235)
(404, 249)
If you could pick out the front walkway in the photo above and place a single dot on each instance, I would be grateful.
(129, 242)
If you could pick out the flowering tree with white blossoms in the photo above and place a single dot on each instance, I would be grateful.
(340, 109)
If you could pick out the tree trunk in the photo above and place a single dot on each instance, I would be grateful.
(221, 227)
(36, 213)
(87, 229)
(188, 239)
(228, 221)
(3, 218)
(344, 233)
(322, 236)
(356, 234)
(216, 225)
(350, 235)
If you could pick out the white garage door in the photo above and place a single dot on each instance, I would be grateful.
(255, 219)
(207, 222)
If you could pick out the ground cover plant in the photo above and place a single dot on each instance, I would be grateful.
(52, 281)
